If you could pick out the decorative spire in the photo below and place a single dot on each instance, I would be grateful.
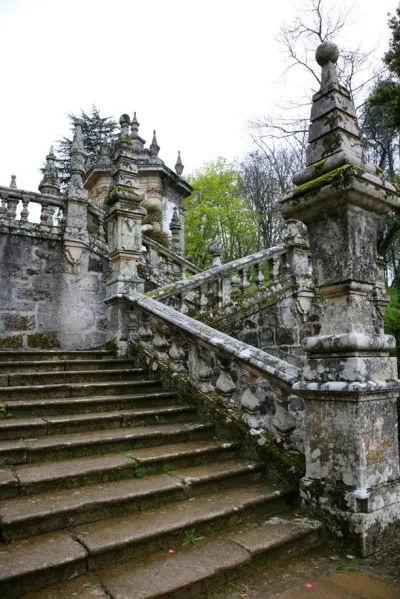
(134, 126)
(124, 175)
(49, 184)
(175, 228)
(334, 137)
(13, 184)
(154, 148)
(138, 142)
(179, 166)
(75, 187)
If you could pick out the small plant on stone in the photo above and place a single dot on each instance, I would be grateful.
(55, 358)
(4, 413)
(141, 471)
(190, 537)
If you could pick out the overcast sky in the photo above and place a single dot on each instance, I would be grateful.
(193, 70)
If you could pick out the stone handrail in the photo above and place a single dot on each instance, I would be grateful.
(215, 286)
(244, 379)
(170, 263)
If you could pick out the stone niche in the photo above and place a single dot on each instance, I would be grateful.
(46, 302)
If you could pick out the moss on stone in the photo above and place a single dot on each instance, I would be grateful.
(43, 341)
(94, 265)
(326, 179)
(111, 345)
(11, 342)
(17, 322)
(31, 272)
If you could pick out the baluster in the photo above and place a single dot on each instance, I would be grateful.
(160, 342)
(226, 290)
(177, 355)
(12, 204)
(235, 284)
(244, 281)
(25, 211)
(145, 333)
(46, 217)
(205, 374)
(259, 276)
(283, 421)
(203, 298)
(3, 207)
(224, 384)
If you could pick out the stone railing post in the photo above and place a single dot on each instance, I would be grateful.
(175, 228)
(349, 382)
(123, 221)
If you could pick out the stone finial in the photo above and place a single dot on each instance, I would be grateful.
(179, 166)
(334, 136)
(75, 187)
(154, 147)
(124, 123)
(326, 56)
(175, 228)
(216, 249)
(13, 183)
(49, 184)
(138, 142)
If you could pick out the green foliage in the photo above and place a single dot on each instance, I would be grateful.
(217, 208)
(392, 316)
(4, 413)
(190, 538)
(96, 131)
(155, 218)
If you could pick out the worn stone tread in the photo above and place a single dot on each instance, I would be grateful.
(14, 404)
(21, 355)
(138, 412)
(8, 483)
(191, 570)
(114, 533)
(92, 498)
(64, 365)
(84, 587)
(27, 509)
(164, 574)
(74, 469)
(23, 379)
(34, 555)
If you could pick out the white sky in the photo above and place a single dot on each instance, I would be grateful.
(195, 70)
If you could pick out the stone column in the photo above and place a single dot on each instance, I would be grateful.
(175, 228)
(123, 221)
(350, 383)
(76, 237)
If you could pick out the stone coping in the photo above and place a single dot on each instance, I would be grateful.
(216, 273)
(172, 255)
(349, 342)
(284, 373)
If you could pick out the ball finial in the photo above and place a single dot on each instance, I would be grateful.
(326, 52)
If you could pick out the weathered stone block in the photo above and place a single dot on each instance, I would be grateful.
(43, 341)
(11, 342)
(17, 322)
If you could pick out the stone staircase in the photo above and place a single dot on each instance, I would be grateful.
(113, 482)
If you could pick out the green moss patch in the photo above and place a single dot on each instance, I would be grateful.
(94, 265)
(43, 341)
(11, 342)
(16, 322)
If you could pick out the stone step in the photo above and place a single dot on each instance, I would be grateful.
(33, 563)
(31, 408)
(29, 479)
(116, 540)
(64, 365)
(24, 516)
(23, 428)
(58, 447)
(70, 377)
(76, 390)
(194, 570)
(35, 355)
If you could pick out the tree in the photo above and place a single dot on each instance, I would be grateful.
(96, 131)
(217, 209)
(262, 183)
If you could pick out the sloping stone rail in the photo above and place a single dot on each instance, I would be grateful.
(244, 378)
(215, 286)
(171, 264)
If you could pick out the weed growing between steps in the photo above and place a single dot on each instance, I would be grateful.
(4, 411)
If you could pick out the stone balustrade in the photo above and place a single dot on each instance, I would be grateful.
(170, 264)
(32, 213)
(220, 286)
(245, 382)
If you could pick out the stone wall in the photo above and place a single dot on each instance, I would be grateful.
(46, 302)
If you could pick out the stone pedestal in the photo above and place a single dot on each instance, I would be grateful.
(350, 383)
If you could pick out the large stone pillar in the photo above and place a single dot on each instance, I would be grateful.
(123, 221)
(350, 383)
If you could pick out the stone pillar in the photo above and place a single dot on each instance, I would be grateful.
(123, 221)
(76, 237)
(350, 383)
(175, 228)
